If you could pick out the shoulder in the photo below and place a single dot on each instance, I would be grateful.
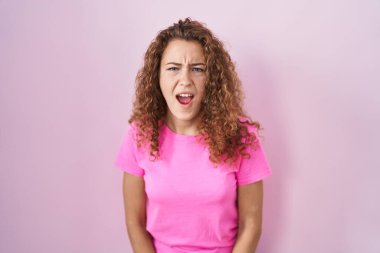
(251, 126)
(137, 136)
(130, 134)
(132, 129)
(133, 126)
(250, 133)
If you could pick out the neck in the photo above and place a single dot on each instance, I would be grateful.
(185, 127)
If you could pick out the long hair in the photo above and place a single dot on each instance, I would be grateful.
(220, 126)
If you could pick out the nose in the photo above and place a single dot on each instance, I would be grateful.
(185, 78)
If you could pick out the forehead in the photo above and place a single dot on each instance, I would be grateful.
(182, 50)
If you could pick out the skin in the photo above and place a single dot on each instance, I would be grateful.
(182, 69)
(250, 206)
(135, 214)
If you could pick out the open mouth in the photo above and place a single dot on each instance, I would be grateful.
(185, 99)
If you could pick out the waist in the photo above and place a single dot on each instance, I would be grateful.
(162, 247)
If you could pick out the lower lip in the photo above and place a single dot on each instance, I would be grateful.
(185, 105)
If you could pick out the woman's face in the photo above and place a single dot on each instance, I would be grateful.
(182, 79)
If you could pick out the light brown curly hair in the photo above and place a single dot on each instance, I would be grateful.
(222, 106)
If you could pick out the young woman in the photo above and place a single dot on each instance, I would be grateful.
(192, 159)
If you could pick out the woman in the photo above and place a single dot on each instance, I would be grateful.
(192, 160)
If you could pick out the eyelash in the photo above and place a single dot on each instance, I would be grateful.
(197, 69)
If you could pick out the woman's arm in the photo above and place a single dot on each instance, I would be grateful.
(135, 214)
(250, 203)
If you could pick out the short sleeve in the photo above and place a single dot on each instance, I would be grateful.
(256, 167)
(126, 156)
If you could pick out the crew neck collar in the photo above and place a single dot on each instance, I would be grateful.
(167, 130)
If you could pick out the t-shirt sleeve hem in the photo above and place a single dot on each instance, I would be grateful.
(128, 169)
(255, 179)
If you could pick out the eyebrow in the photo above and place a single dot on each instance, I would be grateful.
(179, 64)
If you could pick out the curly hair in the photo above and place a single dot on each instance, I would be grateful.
(221, 111)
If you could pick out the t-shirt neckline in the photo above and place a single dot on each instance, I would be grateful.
(168, 131)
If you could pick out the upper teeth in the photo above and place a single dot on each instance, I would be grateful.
(185, 95)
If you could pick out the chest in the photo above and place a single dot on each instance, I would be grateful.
(184, 174)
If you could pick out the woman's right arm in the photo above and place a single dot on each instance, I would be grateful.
(135, 214)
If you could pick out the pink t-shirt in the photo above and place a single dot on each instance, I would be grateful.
(191, 205)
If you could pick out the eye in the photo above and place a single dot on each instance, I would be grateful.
(172, 68)
(198, 70)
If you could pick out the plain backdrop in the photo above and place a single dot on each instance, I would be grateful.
(311, 75)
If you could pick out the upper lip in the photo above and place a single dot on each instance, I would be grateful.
(185, 92)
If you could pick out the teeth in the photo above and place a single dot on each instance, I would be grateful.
(185, 95)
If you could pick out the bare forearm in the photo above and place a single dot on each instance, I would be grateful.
(140, 239)
(247, 240)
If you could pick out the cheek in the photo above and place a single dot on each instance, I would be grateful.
(167, 93)
(164, 91)
(201, 88)
(164, 86)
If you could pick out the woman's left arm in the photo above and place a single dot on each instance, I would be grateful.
(250, 205)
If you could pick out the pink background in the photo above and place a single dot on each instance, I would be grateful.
(311, 72)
